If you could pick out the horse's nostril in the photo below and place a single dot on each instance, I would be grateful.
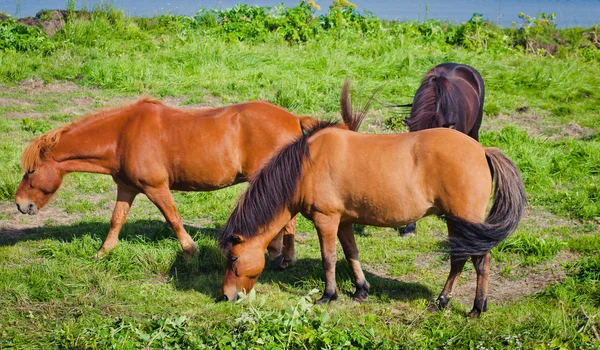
(18, 207)
(224, 298)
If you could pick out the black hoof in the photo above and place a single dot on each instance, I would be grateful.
(279, 263)
(360, 295)
(408, 230)
(433, 307)
(439, 304)
(443, 302)
(474, 313)
(479, 307)
(327, 298)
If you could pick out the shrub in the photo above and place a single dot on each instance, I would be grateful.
(18, 37)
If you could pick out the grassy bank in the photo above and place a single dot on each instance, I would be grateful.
(542, 110)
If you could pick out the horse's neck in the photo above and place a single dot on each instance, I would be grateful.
(88, 148)
(269, 231)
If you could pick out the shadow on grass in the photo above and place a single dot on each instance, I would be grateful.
(206, 274)
(146, 230)
(207, 277)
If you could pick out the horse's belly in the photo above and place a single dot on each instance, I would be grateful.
(207, 182)
(388, 212)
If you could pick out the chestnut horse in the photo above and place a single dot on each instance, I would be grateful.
(337, 178)
(450, 96)
(150, 148)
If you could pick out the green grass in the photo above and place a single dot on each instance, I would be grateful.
(53, 295)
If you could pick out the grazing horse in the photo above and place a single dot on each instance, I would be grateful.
(337, 178)
(450, 96)
(151, 148)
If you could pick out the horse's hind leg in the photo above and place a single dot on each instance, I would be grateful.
(124, 199)
(456, 267)
(482, 267)
(346, 237)
(443, 300)
(161, 197)
(281, 249)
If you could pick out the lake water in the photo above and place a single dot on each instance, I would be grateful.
(569, 13)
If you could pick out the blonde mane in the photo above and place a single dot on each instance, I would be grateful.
(40, 146)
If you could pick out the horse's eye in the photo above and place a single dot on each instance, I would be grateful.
(30, 171)
(233, 258)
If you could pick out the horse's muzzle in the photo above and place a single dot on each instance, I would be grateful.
(27, 208)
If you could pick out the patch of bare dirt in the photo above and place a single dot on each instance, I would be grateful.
(544, 219)
(19, 223)
(527, 281)
(23, 115)
(37, 86)
(7, 102)
(535, 125)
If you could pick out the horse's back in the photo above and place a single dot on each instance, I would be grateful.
(401, 177)
(204, 149)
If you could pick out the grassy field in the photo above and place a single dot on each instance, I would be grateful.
(542, 110)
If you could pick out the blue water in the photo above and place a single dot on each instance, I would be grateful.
(569, 13)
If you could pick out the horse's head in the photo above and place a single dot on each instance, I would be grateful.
(42, 175)
(245, 262)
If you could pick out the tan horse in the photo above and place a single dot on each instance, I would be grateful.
(150, 148)
(337, 178)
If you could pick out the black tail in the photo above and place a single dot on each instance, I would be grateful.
(509, 201)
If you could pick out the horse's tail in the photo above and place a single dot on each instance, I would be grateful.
(353, 119)
(436, 98)
(509, 201)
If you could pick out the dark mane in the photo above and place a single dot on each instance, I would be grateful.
(271, 189)
(437, 98)
(275, 184)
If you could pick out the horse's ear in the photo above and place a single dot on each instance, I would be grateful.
(237, 239)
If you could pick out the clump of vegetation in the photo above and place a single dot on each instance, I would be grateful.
(18, 37)
(299, 325)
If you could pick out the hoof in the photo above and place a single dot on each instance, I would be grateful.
(443, 302)
(100, 255)
(408, 230)
(279, 263)
(479, 307)
(360, 295)
(433, 307)
(327, 298)
(439, 304)
(407, 234)
(474, 313)
(190, 254)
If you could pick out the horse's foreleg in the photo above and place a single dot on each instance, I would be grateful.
(443, 300)
(409, 229)
(346, 237)
(124, 200)
(482, 267)
(281, 249)
(162, 198)
(327, 228)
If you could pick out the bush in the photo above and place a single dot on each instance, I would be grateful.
(18, 37)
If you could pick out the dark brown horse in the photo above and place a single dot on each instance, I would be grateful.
(338, 178)
(450, 96)
(151, 148)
